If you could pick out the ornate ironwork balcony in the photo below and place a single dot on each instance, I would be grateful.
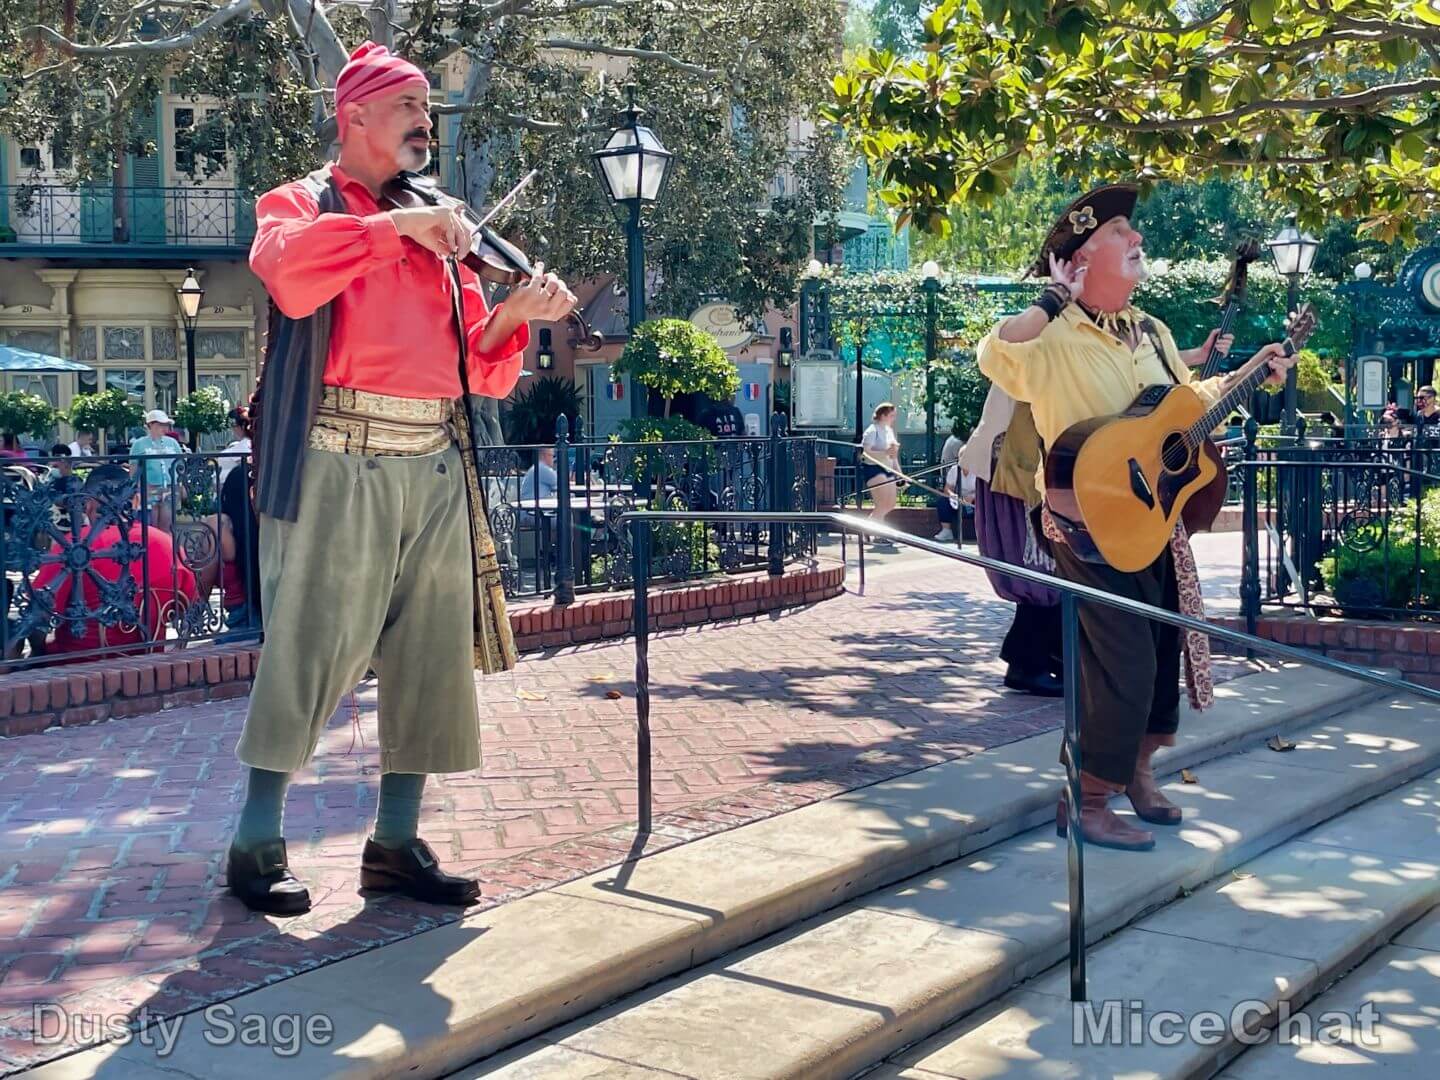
(54, 220)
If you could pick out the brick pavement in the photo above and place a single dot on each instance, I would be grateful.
(112, 837)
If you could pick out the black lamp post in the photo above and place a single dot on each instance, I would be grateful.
(931, 285)
(190, 294)
(786, 354)
(1294, 254)
(545, 354)
(633, 167)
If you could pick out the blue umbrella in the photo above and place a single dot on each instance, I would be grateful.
(13, 359)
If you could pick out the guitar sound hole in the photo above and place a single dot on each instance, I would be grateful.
(1173, 454)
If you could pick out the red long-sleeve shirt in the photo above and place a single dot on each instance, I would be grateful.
(392, 330)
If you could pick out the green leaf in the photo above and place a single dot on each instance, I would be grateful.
(1262, 14)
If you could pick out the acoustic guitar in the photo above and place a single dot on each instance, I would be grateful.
(1204, 506)
(1117, 485)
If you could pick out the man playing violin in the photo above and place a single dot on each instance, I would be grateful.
(1081, 351)
(374, 551)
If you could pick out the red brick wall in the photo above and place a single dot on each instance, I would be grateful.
(1412, 649)
(32, 701)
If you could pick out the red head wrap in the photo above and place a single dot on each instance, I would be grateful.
(372, 72)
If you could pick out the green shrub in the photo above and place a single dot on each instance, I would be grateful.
(1376, 567)
(646, 468)
(531, 416)
(203, 412)
(109, 412)
(26, 414)
(673, 356)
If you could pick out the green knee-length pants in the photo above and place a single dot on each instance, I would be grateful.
(375, 570)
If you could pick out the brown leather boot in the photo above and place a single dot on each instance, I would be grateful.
(1100, 825)
(1150, 805)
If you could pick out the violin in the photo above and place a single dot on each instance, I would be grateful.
(491, 257)
(1245, 253)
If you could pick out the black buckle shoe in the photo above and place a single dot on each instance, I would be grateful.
(413, 870)
(261, 878)
(1039, 683)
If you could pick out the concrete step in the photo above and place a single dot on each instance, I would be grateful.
(1248, 950)
(841, 992)
(430, 1004)
(1401, 983)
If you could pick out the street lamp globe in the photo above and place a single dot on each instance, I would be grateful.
(814, 268)
(1363, 271)
(1293, 250)
(633, 165)
(931, 270)
(190, 294)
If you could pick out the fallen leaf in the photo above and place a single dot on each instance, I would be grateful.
(530, 695)
(1242, 874)
(614, 695)
(1188, 777)
(1279, 744)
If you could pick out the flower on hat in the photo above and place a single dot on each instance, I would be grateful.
(1083, 220)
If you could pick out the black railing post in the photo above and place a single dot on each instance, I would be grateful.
(1250, 536)
(564, 555)
(1075, 849)
(777, 530)
(640, 571)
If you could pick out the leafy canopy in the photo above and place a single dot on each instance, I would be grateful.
(673, 356)
(1331, 108)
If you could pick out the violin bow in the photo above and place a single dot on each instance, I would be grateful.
(510, 197)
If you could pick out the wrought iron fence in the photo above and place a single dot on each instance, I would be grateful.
(554, 509)
(1347, 527)
(104, 214)
(124, 556)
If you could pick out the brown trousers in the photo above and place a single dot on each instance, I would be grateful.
(1129, 665)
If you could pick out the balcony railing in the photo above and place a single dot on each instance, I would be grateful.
(135, 216)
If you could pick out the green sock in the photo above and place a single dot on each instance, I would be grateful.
(264, 810)
(397, 818)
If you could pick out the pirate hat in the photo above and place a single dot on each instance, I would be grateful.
(1078, 222)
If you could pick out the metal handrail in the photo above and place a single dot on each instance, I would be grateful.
(1070, 594)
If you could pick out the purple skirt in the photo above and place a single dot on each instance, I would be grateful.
(1004, 532)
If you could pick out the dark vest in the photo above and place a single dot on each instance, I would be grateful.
(288, 393)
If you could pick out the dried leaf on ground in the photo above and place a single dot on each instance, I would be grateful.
(1188, 777)
(1279, 744)
(614, 695)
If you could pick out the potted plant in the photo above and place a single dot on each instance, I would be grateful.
(27, 414)
(203, 412)
(105, 412)
(672, 356)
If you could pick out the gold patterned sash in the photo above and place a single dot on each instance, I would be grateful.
(358, 422)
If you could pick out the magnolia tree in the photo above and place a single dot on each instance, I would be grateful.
(726, 84)
(1330, 107)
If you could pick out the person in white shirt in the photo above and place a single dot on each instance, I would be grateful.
(84, 444)
(880, 461)
(959, 503)
(232, 455)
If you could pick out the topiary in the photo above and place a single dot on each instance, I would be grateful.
(672, 356)
(202, 412)
(107, 411)
(26, 414)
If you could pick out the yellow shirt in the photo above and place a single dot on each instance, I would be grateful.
(1074, 370)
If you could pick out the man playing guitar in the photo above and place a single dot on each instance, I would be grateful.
(1083, 351)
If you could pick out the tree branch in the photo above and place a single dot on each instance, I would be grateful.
(229, 13)
(595, 47)
(1184, 28)
(1361, 100)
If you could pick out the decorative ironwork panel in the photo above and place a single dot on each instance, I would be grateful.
(162, 343)
(124, 343)
(85, 345)
(229, 344)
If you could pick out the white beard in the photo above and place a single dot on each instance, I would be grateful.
(411, 159)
